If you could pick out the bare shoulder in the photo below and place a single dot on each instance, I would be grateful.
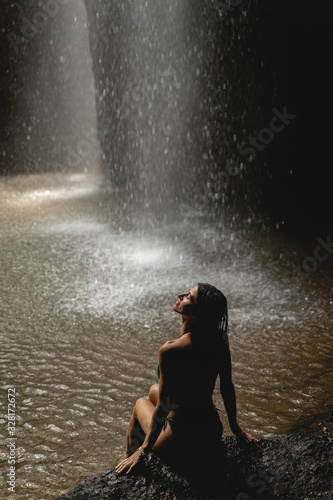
(173, 347)
(171, 356)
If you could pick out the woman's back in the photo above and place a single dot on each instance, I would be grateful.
(190, 369)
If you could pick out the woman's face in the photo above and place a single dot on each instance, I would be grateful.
(186, 302)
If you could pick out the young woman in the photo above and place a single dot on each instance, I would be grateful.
(179, 418)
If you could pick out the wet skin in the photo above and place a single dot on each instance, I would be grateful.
(189, 367)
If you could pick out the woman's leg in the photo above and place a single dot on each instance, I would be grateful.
(139, 426)
(154, 393)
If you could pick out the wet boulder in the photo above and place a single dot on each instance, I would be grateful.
(287, 467)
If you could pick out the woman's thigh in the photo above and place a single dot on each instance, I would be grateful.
(144, 410)
(165, 443)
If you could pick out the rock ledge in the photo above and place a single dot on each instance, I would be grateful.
(288, 467)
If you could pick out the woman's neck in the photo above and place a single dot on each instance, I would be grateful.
(187, 324)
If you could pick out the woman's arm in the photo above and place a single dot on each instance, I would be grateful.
(229, 398)
(227, 389)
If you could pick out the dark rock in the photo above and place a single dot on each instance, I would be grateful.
(287, 467)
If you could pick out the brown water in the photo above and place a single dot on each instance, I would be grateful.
(87, 300)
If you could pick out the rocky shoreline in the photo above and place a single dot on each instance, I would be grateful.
(285, 468)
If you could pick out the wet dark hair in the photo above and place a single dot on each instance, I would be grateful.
(212, 308)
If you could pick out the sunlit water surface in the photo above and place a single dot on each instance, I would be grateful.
(87, 296)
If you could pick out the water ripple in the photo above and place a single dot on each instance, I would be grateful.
(86, 306)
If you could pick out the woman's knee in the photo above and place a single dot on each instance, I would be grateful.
(139, 403)
(153, 394)
(143, 411)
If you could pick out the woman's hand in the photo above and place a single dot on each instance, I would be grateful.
(245, 438)
(129, 463)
